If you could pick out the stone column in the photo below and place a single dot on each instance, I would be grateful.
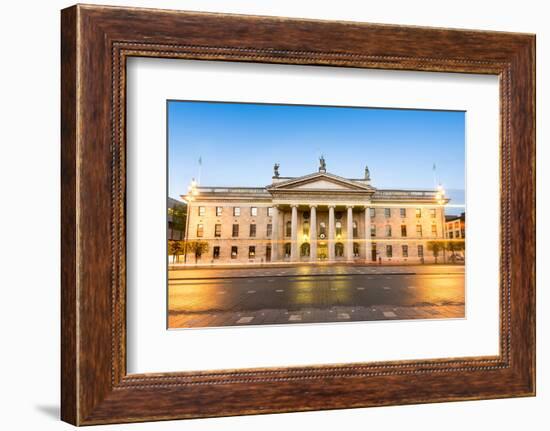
(313, 233)
(331, 230)
(294, 234)
(349, 233)
(275, 234)
(368, 238)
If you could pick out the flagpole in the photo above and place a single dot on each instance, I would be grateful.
(200, 169)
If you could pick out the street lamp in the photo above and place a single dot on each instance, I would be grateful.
(440, 195)
(191, 192)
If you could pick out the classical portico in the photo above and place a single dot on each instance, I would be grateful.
(321, 211)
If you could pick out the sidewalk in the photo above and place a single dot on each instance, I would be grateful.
(290, 271)
(183, 320)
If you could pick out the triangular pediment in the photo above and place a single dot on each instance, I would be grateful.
(319, 181)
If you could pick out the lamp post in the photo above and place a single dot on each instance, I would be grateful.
(440, 196)
(191, 192)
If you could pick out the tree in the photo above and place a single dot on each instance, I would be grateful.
(435, 247)
(455, 246)
(196, 247)
(175, 249)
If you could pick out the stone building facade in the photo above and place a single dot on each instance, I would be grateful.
(455, 226)
(320, 217)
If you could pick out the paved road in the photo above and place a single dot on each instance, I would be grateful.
(205, 298)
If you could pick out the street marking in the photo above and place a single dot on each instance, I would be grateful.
(388, 278)
(411, 287)
(270, 280)
(245, 320)
(370, 278)
(279, 290)
(251, 291)
(333, 288)
(343, 316)
(389, 314)
(386, 288)
(221, 292)
(294, 317)
(360, 288)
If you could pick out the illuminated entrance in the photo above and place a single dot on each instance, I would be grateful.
(322, 251)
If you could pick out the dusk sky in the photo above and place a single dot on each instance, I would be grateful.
(239, 143)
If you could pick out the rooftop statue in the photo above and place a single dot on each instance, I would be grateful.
(276, 170)
(322, 164)
(367, 173)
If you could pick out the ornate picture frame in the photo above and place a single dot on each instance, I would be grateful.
(96, 41)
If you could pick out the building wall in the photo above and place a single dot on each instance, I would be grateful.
(262, 242)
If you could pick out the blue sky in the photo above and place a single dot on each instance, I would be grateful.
(239, 143)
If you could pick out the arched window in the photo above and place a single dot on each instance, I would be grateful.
(355, 232)
(305, 228)
(304, 249)
(339, 249)
(338, 226)
(288, 231)
(355, 249)
(287, 249)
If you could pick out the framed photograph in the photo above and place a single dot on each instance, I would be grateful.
(266, 215)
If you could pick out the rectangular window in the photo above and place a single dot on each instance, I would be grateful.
(418, 212)
(355, 230)
(403, 212)
(387, 212)
(216, 253)
(235, 232)
(405, 250)
(269, 230)
(403, 230)
(389, 251)
(252, 252)
(252, 230)
(451, 234)
(253, 211)
(457, 234)
(373, 231)
(219, 211)
(202, 211)
(270, 212)
(218, 230)
(434, 230)
(234, 252)
(418, 230)
(200, 230)
(420, 251)
(236, 211)
(372, 212)
(388, 230)
(432, 212)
